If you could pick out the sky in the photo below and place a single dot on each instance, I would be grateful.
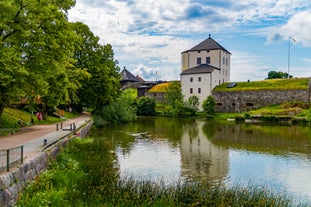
(148, 36)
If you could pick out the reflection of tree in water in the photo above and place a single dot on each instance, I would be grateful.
(260, 138)
(209, 129)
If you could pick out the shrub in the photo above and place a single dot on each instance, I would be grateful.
(192, 105)
(295, 104)
(146, 106)
(209, 105)
(122, 110)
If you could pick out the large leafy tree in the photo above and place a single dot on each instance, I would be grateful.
(103, 86)
(12, 72)
(37, 46)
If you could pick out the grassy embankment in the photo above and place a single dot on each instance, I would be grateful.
(11, 116)
(85, 174)
(290, 109)
(272, 84)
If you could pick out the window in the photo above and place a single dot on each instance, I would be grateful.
(191, 79)
(199, 90)
(191, 90)
(223, 61)
(199, 79)
(208, 60)
(226, 61)
(199, 51)
(199, 61)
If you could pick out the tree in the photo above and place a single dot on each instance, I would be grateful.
(275, 75)
(146, 106)
(192, 104)
(103, 85)
(35, 48)
(47, 52)
(209, 105)
(121, 110)
(173, 94)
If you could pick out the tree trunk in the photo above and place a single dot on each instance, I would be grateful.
(44, 111)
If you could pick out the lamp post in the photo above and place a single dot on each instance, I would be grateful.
(288, 64)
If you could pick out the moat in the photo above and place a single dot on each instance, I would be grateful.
(170, 150)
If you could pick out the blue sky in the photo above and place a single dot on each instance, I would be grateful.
(149, 36)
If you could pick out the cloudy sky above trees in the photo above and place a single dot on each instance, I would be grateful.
(148, 36)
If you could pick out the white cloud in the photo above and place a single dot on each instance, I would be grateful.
(246, 66)
(299, 27)
(149, 35)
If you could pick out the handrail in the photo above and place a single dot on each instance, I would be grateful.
(11, 156)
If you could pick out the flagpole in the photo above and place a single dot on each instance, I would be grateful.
(288, 58)
(288, 64)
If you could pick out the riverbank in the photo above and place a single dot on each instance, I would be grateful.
(76, 179)
(40, 147)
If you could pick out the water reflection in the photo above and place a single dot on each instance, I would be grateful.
(201, 159)
(174, 149)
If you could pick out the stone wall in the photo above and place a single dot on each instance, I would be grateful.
(13, 183)
(242, 101)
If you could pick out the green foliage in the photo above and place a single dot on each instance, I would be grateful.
(209, 105)
(43, 55)
(121, 110)
(178, 108)
(131, 92)
(146, 106)
(36, 45)
(76, 178)
(173, 94)
(276, 75)
(295, 108)
(295, 104)
(103, 86)
(192, 105)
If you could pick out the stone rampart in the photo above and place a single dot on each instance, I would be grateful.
(242, 101)
(13, 183)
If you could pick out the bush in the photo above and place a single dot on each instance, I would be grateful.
(295, 104)
(121, 110)
(192, 105)
(209, 105)
(146, 106)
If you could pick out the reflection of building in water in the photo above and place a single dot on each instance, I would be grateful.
(199, 157)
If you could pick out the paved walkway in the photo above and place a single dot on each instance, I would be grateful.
(33, 137)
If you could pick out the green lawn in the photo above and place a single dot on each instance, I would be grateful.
(272, 84)
(11, 116)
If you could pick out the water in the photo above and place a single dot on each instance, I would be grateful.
(170, 150)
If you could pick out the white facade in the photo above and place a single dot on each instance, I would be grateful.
(200, 84)
(203, 68)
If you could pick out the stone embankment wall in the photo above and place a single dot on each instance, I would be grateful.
(242, 101)
(13, 183)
